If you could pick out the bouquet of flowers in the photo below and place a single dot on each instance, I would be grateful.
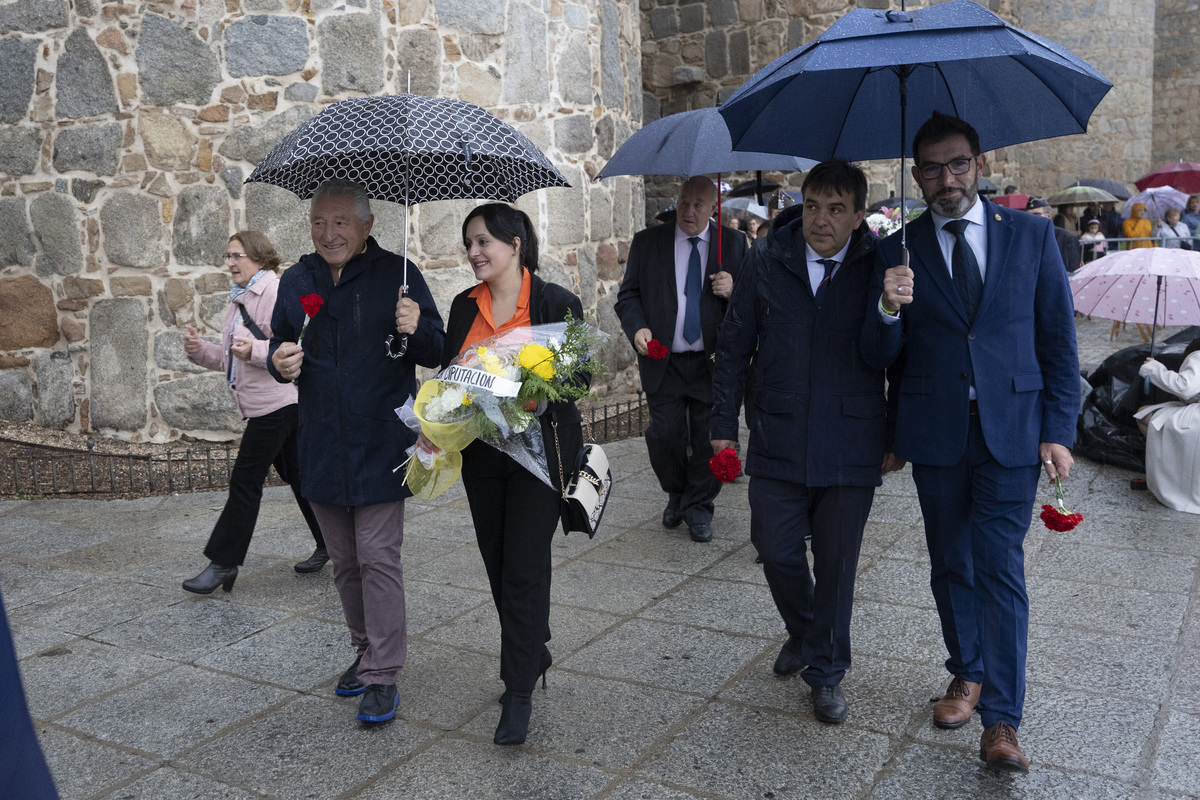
(494, 391)
(886, 221)
(725, 465)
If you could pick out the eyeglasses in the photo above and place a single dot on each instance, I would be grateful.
(932, 170)
(235, 256)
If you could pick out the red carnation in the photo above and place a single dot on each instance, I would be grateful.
(655, 350)
(1058, 519)
(725, 465)
(312, 304)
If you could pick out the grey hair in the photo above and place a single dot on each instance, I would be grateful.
(340, 187)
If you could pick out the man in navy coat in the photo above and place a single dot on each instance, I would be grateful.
(817, 444)
(355, 364)
(980, 326)
(675, 290)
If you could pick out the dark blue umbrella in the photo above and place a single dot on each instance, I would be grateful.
(691, 143)
(849, 93)
(1117, 190)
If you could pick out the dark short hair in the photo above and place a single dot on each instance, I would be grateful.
(508, 224)
(836, 176)
(941, 127)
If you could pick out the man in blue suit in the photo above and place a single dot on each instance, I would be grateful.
(981, 331)
(816, 446)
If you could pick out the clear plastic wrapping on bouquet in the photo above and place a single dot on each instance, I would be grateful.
(494, 391)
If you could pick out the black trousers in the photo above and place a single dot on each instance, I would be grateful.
(269, 439)
(677, 439)
(515, 517)
(816, 608)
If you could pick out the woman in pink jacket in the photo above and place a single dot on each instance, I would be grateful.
(268, 406)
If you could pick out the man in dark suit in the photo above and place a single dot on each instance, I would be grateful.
(1068, 243)
(676, 287)
(980, 326)
(817, 444)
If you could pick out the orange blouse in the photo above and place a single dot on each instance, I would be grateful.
(484, 327)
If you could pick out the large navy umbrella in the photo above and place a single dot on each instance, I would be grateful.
(850, 92)
(691, 143)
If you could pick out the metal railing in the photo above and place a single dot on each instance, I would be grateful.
(39, 471)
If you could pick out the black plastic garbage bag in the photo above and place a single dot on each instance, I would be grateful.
(1107, 431)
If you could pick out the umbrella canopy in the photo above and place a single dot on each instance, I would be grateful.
(1017, 201)
(691, 143)
(408, 149)
(1080, 195)
(1117, 190)
(1181, 175)
(1156, 200)
(747, 204)
(1125, 286)
(987, 187)
(751, 188)
(840, 95)
(893, 202)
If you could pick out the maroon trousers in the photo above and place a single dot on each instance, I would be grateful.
(364, 546)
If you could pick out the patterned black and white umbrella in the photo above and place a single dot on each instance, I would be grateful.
(408, 148)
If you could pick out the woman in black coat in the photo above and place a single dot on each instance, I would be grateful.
(514, 512)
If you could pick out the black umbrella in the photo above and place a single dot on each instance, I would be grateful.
(1117, 190)
(987, 187)
(407, 148)
(755, 188)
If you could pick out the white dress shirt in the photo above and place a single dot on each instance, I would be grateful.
(816, 270)
(683, 253)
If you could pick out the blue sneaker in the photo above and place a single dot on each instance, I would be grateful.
(349, 685)
(379, 703)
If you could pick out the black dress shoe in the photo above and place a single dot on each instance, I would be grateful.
(829, 704)
(349, 685)
(214, 575)
(313, 563)
(789, 661)
(671, 517)
(379, 703)
(700, 532)
(514, 719)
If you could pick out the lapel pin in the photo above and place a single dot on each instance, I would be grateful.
(997, 218)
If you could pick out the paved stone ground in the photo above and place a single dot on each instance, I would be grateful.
(662, 685)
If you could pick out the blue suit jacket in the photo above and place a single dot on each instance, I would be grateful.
(1020, 351)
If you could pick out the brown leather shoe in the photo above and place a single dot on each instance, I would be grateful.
(957, 705)
(998, 747)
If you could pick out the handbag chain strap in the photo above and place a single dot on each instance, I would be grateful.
(562, 484)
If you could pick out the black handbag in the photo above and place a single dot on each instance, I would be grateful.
(585, 495)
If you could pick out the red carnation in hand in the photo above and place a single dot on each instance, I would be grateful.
(1058, 517)
(655, 350)
(312, 304)
(725, 465)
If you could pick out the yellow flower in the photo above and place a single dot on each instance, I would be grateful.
(467, 399)
(539, 360)
(492, 363)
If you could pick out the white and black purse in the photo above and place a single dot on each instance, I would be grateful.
(585, 495)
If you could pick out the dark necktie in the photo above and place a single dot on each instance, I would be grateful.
(691, 291)
(830, 265)
(965, 268)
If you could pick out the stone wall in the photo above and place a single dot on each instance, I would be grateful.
(1176, 82)
(129, 129)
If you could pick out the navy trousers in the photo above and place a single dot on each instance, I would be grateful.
(815, 608)
(977, 513)
(677, 438)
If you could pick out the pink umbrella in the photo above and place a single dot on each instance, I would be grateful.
(1183, 175)
(1143, 285)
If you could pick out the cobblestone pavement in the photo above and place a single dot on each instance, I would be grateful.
(661, 687)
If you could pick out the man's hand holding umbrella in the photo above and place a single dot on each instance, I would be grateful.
(408, 315)
(897, 288)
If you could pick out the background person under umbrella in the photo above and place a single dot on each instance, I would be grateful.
(268, 407)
